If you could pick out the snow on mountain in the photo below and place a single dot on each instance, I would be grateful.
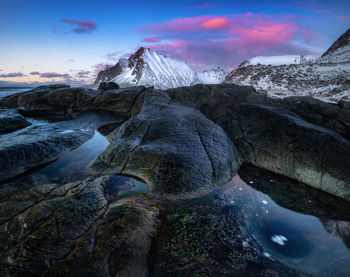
(150, 68)
(326, 78)
(279, 60)
(213, 76)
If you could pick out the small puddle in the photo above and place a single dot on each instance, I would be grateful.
(117, 187)
(71, 166)
(313, 245)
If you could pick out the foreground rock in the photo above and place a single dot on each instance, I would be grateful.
(64, 103)
(36, 146)
(280, 141)
(173, 148)
(108, 85)
(11, 120)
(71, 230)
(184, 144)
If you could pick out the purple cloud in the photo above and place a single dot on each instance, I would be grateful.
(113, 56)
(151, 39)
(11, 75)
(83, 27)
(34, 73)
(101, 66)
(54, 75)
(83, 74)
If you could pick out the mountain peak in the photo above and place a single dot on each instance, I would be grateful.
(150, 68)
(343, 40)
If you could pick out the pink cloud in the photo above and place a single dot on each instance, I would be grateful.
(113, 56)
(209, 41)
(273, 32)
(215, 23)
(152, 39)
(83, 27)
(101, 66)
(186, 24)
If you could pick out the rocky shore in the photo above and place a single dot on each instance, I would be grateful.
(187, 146)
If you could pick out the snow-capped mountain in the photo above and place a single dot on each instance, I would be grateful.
(326, 77)
(150, 68)
(213, 76)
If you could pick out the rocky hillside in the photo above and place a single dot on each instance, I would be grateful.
(150, 68)
(213, 76)
(326, 78)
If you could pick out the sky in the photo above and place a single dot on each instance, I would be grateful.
(70, 41)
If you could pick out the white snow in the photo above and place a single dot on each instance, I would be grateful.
(213, 76)
(326, 78)
(279, 60)
(279, 239)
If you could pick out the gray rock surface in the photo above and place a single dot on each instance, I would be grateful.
(172, 147)
(280, 141)
(36, 146)
(184, 143)
(71, 230)
(11, 120)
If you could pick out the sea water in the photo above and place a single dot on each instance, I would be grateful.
(6, 91)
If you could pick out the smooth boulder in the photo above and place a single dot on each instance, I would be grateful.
(171, 147)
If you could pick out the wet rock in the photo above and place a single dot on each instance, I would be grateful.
(331, 116)
(282, 142)
(106, 129)
(339, 228)
(171, 147)
(118, 102)
(209, 237)
(295, 196)
(36, 146)
(11, 120)
(71, 230)
(344, 104)
(65, 101)
(218, 102)
(108, 86)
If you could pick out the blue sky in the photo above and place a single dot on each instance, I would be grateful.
(69, 41)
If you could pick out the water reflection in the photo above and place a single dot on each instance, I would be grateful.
(117, 187)
(292, 234)
(69, 167)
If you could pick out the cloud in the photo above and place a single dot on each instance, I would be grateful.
(215, 23)
(101, 66)
(54, 75)
(34, 73)
(11, 75)
(71, 60)
(113, 56)
(83, 27)
(151, 39)
(83, 74)
(209, 41)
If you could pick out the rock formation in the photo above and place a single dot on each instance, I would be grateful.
(185, 144)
